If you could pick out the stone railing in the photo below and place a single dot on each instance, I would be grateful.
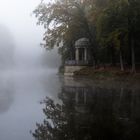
(77, 63)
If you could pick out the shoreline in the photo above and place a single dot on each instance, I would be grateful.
(106, 77)
(107, 73)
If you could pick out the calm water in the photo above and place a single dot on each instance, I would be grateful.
(73, 109)
(20, 94)
(91, 112)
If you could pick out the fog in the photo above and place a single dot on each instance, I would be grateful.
(27, 71)
(7, 48)
(20, 38)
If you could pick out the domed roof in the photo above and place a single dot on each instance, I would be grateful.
(82, 42)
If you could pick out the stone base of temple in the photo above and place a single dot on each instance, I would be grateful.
(69, 70)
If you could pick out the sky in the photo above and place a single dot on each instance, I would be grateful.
(17, 17)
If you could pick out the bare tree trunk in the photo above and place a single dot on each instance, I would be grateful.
(121, 61)
(113, 59)
(121, 55)
(131, 30)
(133, 56)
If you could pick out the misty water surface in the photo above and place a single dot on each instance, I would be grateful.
(25, 79)
(27, 72)
(81, 109)
(91, 112)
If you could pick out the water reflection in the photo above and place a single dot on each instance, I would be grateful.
(7, 48)
(90, 112)
(6, 94)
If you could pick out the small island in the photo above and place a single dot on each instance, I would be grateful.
(82, 65)
(94, 38)
(82, 57)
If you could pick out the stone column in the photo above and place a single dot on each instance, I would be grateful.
(85, 54)
(85, 97)
(76, 97)
(77, 54)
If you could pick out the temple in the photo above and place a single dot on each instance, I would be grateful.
(82, 57)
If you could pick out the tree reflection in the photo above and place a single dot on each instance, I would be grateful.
(7, 48)
(91, 114)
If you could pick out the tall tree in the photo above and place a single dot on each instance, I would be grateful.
(133, 26)
(113, 24)
(65, 21)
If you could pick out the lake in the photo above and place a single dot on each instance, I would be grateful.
(66, 108)
(20, 94)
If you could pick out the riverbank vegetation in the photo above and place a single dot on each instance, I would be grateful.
(109, 73)
(112, 27)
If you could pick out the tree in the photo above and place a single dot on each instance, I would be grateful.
(133, 26)
(117, 25)
(88, 113)
(65, 21)
(112, 27)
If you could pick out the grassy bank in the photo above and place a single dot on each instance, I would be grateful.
(108, 73)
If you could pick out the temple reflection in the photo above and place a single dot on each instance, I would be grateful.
(6, 94)
(88, 113)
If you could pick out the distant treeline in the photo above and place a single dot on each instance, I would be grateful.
(7, 48)
(112, 26)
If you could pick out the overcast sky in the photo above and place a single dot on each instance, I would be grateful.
(17, 17)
